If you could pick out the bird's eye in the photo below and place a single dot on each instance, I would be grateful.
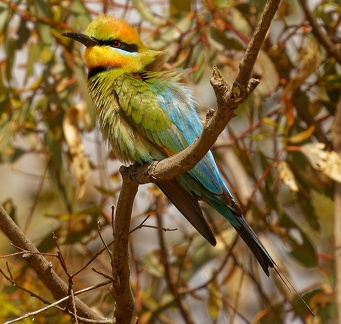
(116, 43)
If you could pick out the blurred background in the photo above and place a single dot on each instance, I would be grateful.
(57, 175)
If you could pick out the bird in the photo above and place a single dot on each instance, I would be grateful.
(146, 113)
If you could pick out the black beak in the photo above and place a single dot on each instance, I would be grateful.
(82, 38)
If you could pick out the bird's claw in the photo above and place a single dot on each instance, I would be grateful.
(150, 170)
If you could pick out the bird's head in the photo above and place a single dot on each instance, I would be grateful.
(112, 43)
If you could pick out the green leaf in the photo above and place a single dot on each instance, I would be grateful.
(56, 168)
(266, 71)
(106, 191)
(200, 64)
(10, 208)
(82, 83)
(46, 54)
(33, 53)
(302, 249)
(179, 7)
(225, 40)
(302, 136)
(267, 189)
(10, 56)
(215, 303)
(322, 303)
(4, 16)
(307, 176)
(169, 34)
(43, 9)
(77, 7)
(5, 133)
(153, 266)
(23, 34)
(144, 10)
(13, 116)
(304, 200)
(81, 13)
(275, 315)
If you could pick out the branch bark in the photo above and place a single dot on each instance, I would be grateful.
(120, 289)
(41, 266)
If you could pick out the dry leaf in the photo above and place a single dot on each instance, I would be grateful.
(328, 162)
(289, 109)
(286, 175)
(74, 141)
(266, 71)
(308, 62)
(302, 136)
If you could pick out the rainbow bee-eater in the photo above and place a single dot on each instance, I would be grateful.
(147, 114)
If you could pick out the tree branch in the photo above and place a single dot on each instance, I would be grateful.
(41, 266)
(228, 99)
(120, 289)
(256, 42)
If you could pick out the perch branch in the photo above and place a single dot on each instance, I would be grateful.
(228, 99)
(120, 289)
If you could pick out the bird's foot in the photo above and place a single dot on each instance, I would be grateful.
(150, 170)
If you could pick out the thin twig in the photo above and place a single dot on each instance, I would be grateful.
(35, 200)
(55, 304)
(41, 266)
(104, 243)
(167, 267)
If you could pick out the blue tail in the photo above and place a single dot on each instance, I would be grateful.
(238, 221)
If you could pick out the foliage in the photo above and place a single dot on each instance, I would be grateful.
(48, 137)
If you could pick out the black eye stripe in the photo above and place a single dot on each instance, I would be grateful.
(129, 47)
(132, 48)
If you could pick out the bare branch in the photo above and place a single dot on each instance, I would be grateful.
(41, 266)
(62, 300)
(256, 42)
